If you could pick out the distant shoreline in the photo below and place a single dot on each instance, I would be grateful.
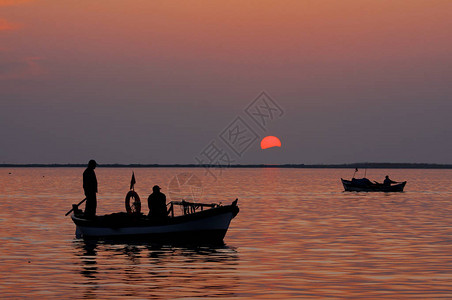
(248, 166)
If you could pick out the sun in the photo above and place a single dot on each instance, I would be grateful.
(270, 141)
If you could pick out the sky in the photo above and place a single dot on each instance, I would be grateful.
(180, 82)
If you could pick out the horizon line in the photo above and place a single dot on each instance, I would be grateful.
(362, 165)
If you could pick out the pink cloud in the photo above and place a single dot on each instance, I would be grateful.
(6, 25)
(13, 2)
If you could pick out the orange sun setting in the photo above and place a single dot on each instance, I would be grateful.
(270, 141)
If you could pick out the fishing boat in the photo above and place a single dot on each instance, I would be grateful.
(365, 185)
(197, 222)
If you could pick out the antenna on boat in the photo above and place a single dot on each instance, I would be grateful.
(356, 170)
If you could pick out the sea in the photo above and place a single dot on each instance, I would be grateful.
(298, 235)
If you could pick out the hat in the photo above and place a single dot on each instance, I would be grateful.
(156, 187)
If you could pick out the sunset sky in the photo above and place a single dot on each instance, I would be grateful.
(143, 81)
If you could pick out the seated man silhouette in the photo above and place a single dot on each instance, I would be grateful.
(157, 203)
(387, 181)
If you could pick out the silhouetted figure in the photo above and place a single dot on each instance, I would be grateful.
(388, 181)
(90, 188)
(157, 203)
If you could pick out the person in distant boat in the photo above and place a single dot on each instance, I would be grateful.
(388, 181)
(157, 203)
(90, 189)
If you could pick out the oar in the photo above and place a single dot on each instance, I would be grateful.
(75, 206)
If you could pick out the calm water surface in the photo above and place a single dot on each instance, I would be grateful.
(298, 235)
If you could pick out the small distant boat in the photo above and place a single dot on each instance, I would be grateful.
(365, 185)
(199, 222)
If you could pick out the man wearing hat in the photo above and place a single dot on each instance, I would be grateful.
(90, 189)
(157, 203)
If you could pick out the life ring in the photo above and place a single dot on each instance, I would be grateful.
(135, 208)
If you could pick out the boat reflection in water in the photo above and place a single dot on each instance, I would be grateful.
(140, 269)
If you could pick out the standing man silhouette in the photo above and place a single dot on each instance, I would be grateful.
(90, 189)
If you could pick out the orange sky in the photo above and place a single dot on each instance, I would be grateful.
(237, 32)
